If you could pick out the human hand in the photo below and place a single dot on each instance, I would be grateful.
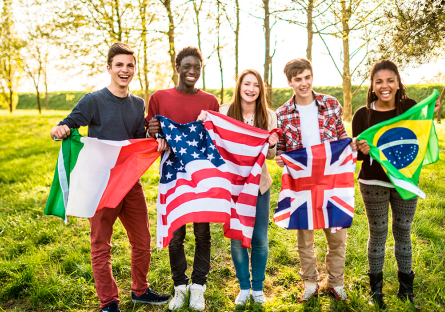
(162, 145)
(363, 147)
(279, 161)
(154, 126)
(437, 107)
(353, 144)
(273, 139)
(60, 132)
(202, 116)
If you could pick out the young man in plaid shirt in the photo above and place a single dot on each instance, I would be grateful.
(308, 119)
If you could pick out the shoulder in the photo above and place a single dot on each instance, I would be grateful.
(162, 93)
(207, 95)
(408, 103)
(224, 109)
(328, 101)
(285, 108)
(271, 113)
(135, 98)
(360, 113)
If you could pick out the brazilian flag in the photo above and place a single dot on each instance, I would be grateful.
(403, 144)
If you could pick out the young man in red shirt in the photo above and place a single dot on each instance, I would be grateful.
(113, 113)
(308, 119)
(183, 104)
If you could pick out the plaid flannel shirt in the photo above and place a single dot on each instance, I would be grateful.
(330, 122)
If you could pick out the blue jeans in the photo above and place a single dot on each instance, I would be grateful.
(259, 248)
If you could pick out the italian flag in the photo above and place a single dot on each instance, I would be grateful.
(92, 174)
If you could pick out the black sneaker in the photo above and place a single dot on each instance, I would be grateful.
(151, 296)
(112, 307)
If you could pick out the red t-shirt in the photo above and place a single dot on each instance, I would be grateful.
(180, 107)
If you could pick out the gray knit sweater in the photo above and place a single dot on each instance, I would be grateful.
(109, 117)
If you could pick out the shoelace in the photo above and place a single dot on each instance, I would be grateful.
(308, 292)
(179, 295)
(200, 295)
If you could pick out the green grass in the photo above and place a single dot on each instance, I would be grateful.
(45, 264)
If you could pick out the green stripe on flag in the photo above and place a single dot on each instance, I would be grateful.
(68, 154)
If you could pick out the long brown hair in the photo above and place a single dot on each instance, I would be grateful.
(372, 97)
(235, 110)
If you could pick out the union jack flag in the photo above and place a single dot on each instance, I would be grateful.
(211, 174)
(317, 187)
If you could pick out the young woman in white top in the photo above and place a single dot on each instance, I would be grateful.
(249, 105)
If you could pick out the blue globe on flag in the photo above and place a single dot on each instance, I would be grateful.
(400, 146)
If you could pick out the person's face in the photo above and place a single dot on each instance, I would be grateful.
(302, 84)
(385, 85)
(122, 70)
(250, 88)
(189, 70)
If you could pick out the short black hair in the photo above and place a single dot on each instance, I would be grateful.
(187, 51)
(119, 48)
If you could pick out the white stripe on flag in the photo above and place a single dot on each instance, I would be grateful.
(408, 186)
(88, 178)
(63, 180)
(224, 124)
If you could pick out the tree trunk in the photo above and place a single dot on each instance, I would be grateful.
(310, 32)
(237, 38)
(439, 113)
(38, 100)
(218, 49)
(347, 96)
(11, 94)
(197, 10)
(145, 84)
(46, 92)
(171, 39)
(267, 57)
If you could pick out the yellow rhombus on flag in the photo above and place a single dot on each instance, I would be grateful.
(403, 144)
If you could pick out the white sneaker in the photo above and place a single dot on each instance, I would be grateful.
(179, 298)
(243, 297)
(310, 290)
(258, 296)
(197, 301)
(338, 293)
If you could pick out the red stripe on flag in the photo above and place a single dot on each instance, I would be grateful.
(197, 217)
(343, 203)
(216, 192)
(281, 217)
(240, 160)
(236, 234)
(238, 123)
(244, 220)
(234, 136)
(132, 162)
(348, 158)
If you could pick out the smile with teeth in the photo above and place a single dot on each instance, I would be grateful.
(124, 77)
(190, 78)
(385, 92)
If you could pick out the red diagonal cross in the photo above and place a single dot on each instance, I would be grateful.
(317, 183)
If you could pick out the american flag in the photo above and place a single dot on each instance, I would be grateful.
(210, 174)
(317, 187)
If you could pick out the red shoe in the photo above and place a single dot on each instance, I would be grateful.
(310, 291)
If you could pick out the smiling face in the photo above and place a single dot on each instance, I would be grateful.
(189, 71)
(250, 89)
(385, 85)
(122, 70)
(302, 85)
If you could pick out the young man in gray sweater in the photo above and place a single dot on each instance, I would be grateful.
(113, 113)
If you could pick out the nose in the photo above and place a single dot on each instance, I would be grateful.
(192, 70)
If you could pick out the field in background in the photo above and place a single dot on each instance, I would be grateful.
(45, 264)
(67, 100)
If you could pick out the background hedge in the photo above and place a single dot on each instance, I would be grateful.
(67, 100)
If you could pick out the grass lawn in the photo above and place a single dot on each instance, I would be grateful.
(45, 264)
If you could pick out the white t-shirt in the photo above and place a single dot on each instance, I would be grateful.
(310, 131)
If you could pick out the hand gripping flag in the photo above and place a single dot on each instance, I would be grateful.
(210, 175)
(317, 187)
(92, 174)
(403, 144)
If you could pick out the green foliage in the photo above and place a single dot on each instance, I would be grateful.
(5, 100)
(45, 265)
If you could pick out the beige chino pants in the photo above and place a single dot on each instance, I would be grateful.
(335, 256)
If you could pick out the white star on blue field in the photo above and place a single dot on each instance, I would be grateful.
(188, 142)
(400, 146)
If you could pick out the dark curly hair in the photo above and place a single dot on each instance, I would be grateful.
(187, 51)
(372, 97)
